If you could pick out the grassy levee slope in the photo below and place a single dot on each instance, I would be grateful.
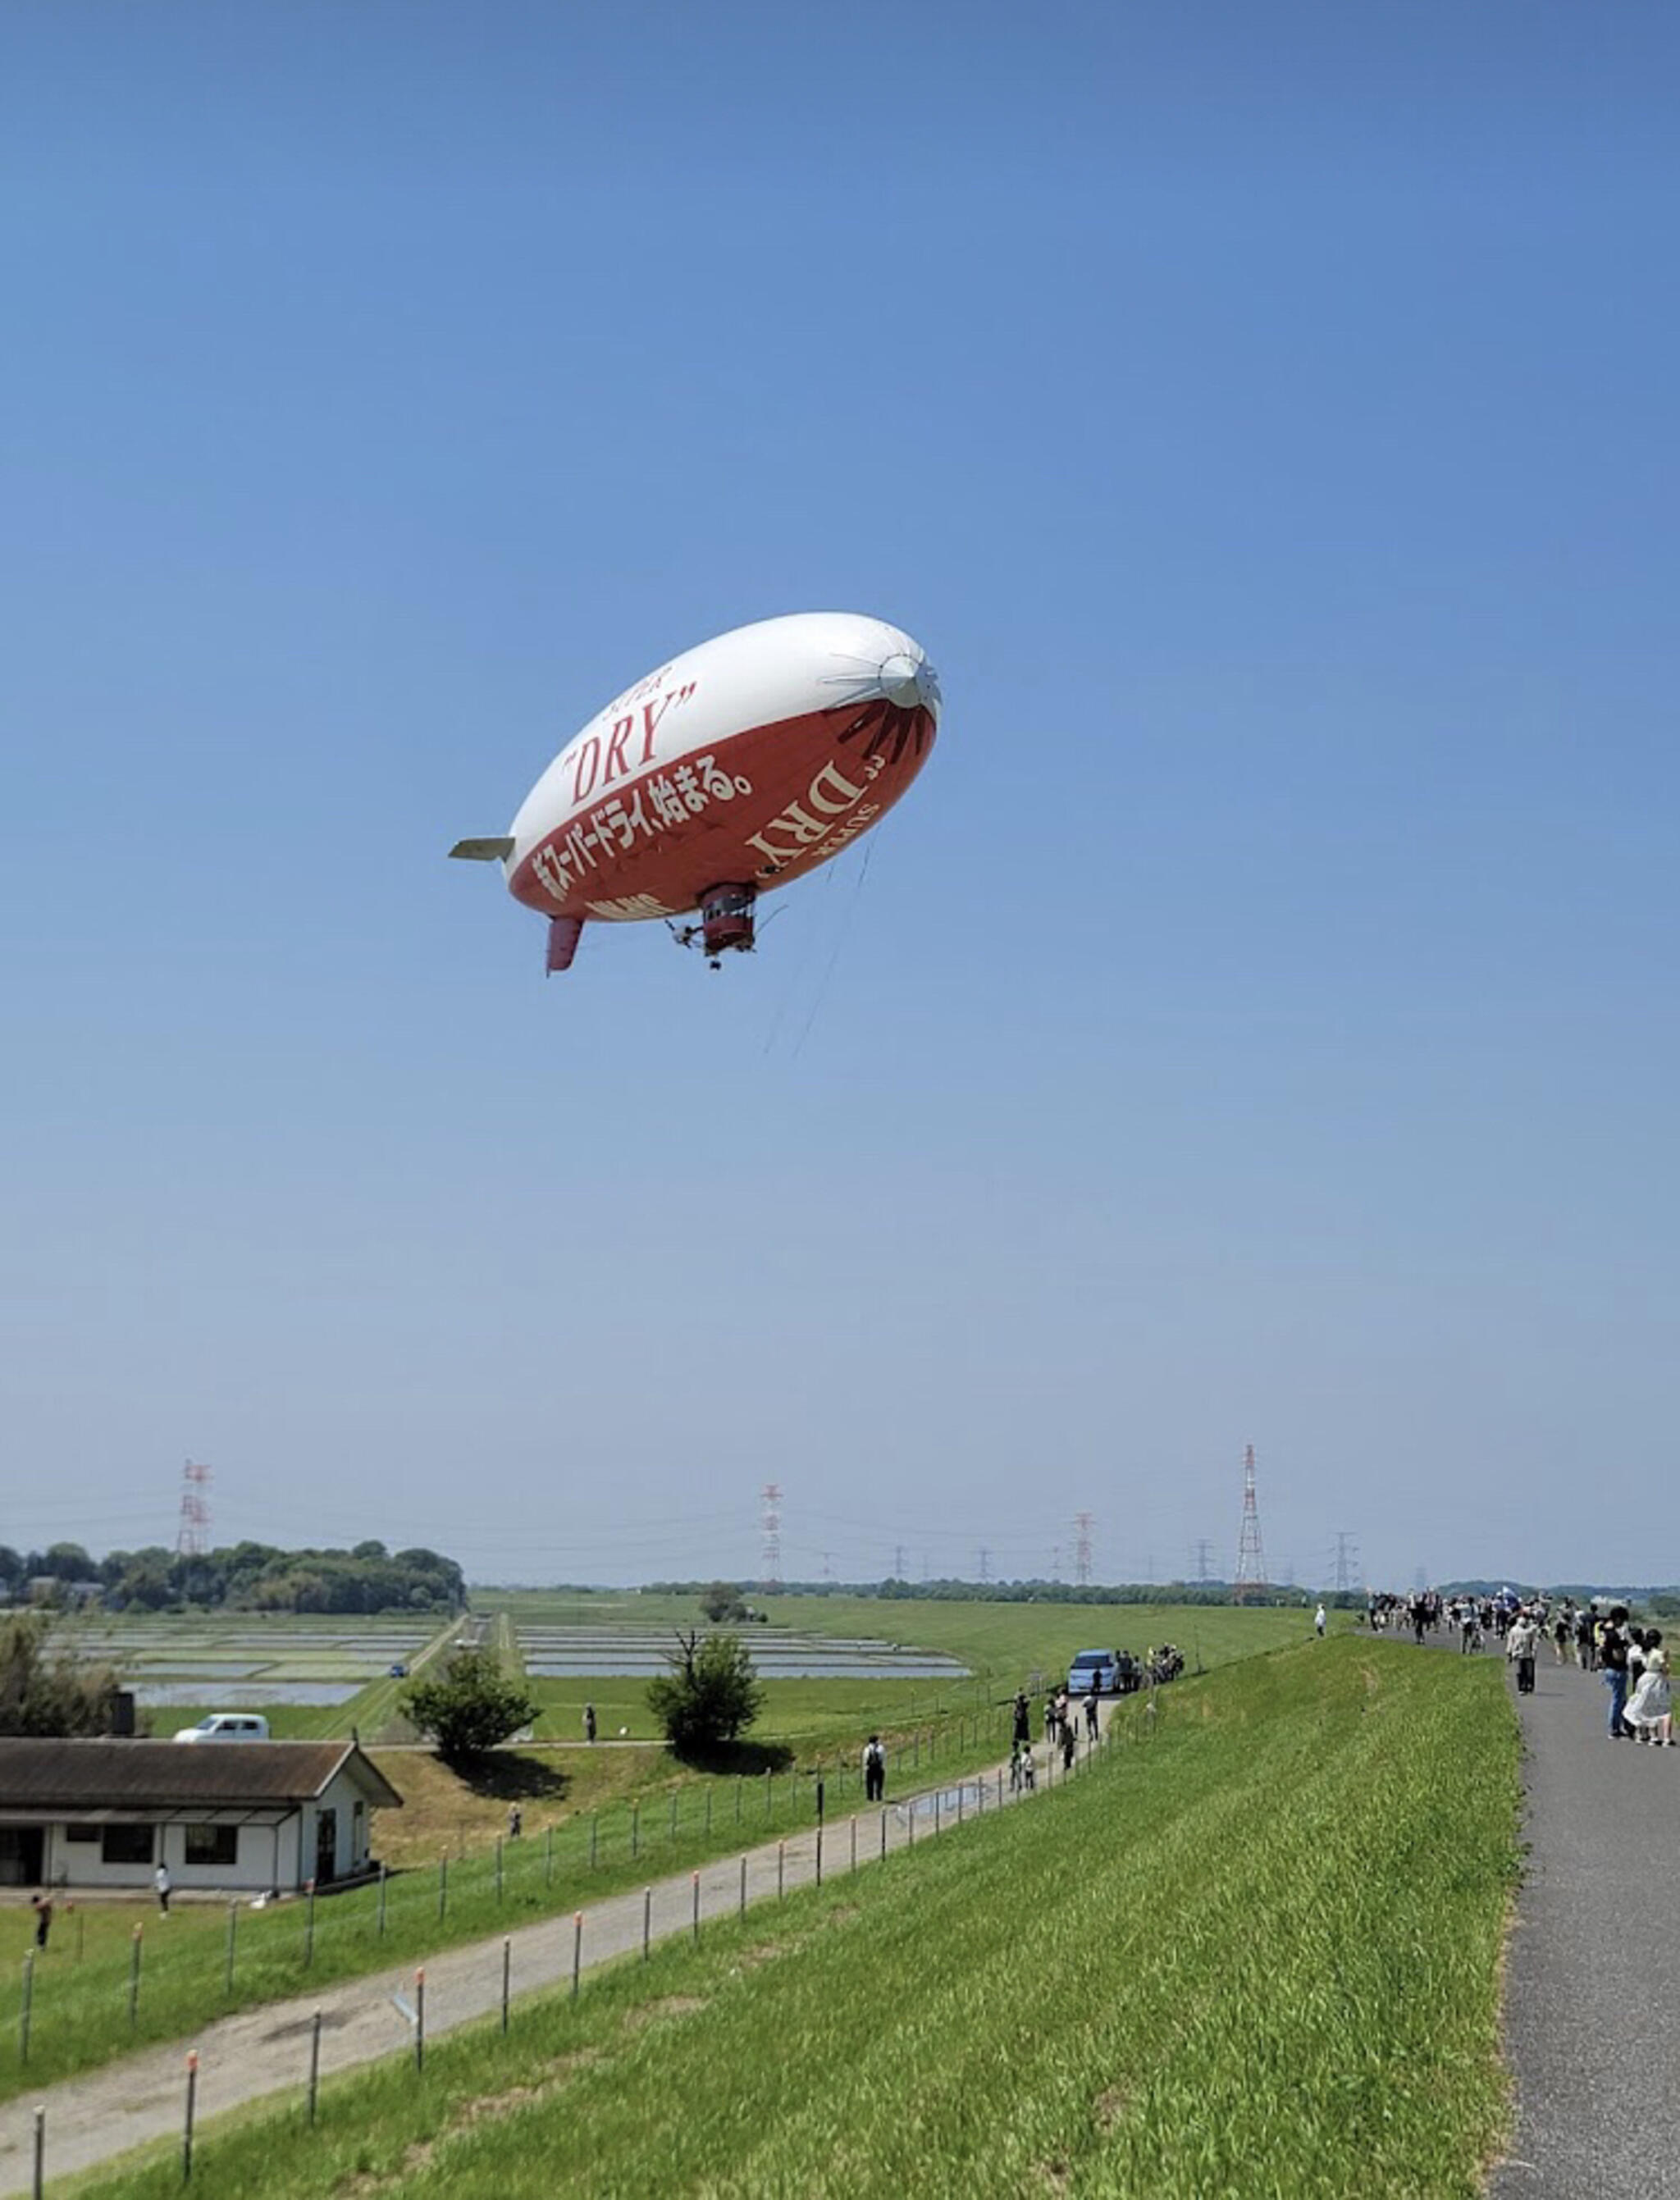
(1254, 1956)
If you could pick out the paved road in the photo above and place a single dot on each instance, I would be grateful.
(266, 2051)
(1593, 1988)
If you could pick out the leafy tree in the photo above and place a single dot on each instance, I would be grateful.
(470, 1707)
(43, 1695)
(711, 1695)
(722, 1602)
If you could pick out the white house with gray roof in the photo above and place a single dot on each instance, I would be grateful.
(240, 1816)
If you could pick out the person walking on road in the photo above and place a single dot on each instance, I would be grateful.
(1520, 1643)
(1317, 1621)
(1023, 1718)
(163, 1882)
(1090, 1712)
(1613, 1658)
(875, 1770)
(1649, 1713)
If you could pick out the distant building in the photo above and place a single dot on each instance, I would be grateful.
(228, 1817)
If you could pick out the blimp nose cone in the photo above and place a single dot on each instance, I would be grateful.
(911, 682)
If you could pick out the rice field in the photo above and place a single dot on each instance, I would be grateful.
(1254, 1956)
(313, 1678)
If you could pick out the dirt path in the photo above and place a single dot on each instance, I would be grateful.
(266, 2051)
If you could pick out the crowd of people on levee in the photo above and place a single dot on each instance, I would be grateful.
(1596, 1633)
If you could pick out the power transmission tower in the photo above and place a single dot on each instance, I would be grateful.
(985, 1564)
(1056, 1563)
(192, 1536)
(1347, 1561)
(1083, 1524)
(899, 1573)
(769, 1564)
(1204, 1549)
(1250, 1576)
(827, 1570)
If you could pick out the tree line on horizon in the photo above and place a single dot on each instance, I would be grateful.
(244, 1577)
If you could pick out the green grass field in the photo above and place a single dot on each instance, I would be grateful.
(596, 1820)
(1002, 1645)
(1253, 1957)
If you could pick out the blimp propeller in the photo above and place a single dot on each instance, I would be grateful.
(735, 769)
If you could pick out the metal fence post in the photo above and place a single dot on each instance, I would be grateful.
(38, 2183)
(697, 1909)
(819, 1852)
(506, 1976)
(134, 1978)
(647, 1920)
(743, 1887)
(309, 1926)
(420, 2018)
(576, 1949)
(315, 2063)
(883, 1833)
(192, 2097)
(384, 1873)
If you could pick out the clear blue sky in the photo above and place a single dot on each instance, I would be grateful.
(1259, 1023)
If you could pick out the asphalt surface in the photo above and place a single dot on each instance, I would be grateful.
(266, 2051)
(1592, 1981)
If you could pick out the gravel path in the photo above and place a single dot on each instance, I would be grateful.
(1593, 1986)
(266, 2050)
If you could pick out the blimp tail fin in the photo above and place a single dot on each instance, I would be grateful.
(563, 934)
(483, 852)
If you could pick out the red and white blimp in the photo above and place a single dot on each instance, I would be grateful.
(738, 767)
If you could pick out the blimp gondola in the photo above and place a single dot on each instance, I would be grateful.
(734, 770)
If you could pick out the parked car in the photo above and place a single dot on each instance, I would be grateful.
(226, 1726)
(399, 1672)
(1100, 1666)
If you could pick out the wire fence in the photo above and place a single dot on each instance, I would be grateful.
(483, 1981)
(73, 2009)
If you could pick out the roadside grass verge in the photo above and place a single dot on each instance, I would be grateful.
(1254, 1957)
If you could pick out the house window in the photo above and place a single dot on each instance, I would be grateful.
(126, 1844)
(81, 1832)
(212, 1845)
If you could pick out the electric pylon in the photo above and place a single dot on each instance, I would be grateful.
(771, 1562)
(1250, 1576)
